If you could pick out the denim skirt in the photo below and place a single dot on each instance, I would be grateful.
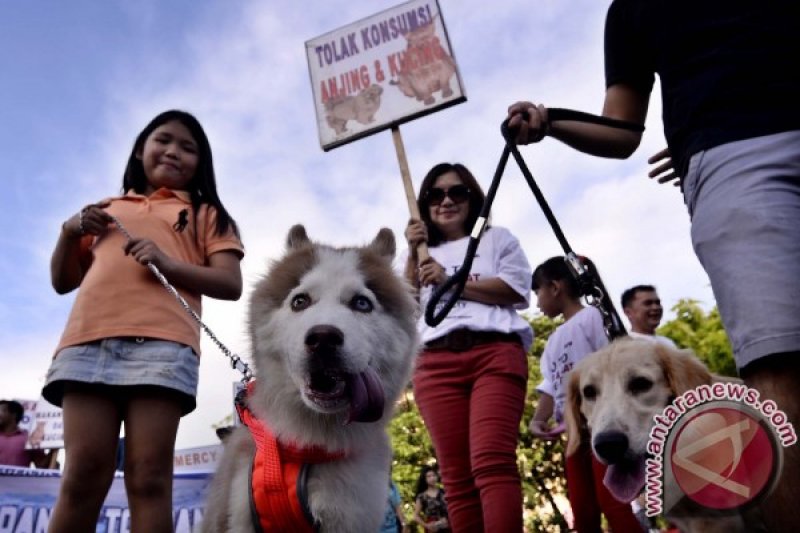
(126, 362)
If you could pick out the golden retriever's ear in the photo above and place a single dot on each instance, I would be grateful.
(683, 370)
(574, 418)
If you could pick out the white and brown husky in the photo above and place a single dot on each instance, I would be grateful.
(333, 338)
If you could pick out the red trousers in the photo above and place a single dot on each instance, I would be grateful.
(588, 497)
(472, 404)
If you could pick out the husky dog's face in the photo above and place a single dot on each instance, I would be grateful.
(333, 328)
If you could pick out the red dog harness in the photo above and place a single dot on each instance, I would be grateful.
(278, 496)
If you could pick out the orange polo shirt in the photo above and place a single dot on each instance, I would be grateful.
(118, 297)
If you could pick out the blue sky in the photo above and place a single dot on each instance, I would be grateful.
(81, 78)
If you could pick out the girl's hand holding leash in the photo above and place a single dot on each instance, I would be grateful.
(146, 251)
(91, 220)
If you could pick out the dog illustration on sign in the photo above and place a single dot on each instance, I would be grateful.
(425, 68)
(361, 108)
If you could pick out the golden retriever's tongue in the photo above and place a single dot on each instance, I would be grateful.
(625, 480)
(366, 396)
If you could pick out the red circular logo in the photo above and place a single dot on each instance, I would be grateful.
(723, 456)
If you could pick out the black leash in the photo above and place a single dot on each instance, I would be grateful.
(591, 286)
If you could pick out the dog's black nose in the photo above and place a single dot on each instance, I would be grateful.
(324, 339)
(610, 446)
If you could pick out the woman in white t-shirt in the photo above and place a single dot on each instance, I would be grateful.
(580, 335)
(471, 376)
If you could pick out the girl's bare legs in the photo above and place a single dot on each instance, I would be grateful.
(151, 423)
(91, 433)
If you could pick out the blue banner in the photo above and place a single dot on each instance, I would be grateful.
(27, 497)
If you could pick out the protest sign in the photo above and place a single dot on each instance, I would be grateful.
(381, 71)
(44, 423)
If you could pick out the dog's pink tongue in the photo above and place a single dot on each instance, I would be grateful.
(625, 481)
(366, 396)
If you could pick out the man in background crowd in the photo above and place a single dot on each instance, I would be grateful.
(642, 306)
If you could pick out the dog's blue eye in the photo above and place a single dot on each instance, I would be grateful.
(639, 385)
(589, 392)
(300, 302)
(362, 304)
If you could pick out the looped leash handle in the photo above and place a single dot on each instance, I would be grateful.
(434, 316)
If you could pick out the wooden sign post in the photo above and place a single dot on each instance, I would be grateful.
(411, 198)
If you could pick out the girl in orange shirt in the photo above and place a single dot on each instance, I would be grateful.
(137, 365)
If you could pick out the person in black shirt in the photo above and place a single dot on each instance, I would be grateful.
(730, 86)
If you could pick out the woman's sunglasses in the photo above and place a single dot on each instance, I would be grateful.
(457, 193)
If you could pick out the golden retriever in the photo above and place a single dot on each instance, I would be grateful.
(612, 397)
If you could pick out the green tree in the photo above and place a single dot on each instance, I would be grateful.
(703, 333)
